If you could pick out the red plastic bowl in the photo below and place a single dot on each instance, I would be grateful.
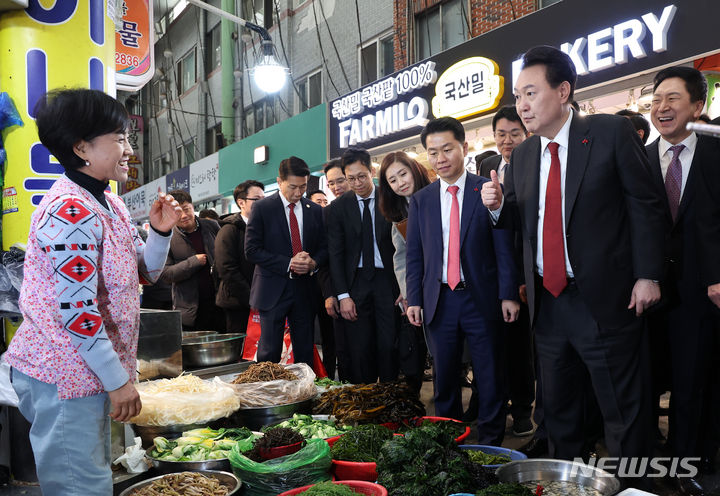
(277, 452)
(332, 440)
(356, 471)
(394, 426)
(360, 487)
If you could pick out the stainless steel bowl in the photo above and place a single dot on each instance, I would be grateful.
(197, 334)
(215, 349)
(539, 469)
(166, 467)
(224, 477)
(255, 418)
(149, 432)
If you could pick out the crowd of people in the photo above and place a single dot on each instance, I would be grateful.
(576, 271)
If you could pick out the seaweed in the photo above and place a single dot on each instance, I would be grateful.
(362, 444)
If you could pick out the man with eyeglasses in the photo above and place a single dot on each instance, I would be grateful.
(189, 268)
(361, 268)
(233, 269)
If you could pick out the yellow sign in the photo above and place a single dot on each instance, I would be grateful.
(467, 88)
(50, 44)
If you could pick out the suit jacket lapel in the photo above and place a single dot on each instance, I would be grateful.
(352, 209)
(526, 178)
(379, 219)
(579, 145)
(653, 152)
(307, 222)
(433, 212)
(285, 227)
(470, 199)
(689, 191)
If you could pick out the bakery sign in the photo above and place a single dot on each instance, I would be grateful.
(467, 88)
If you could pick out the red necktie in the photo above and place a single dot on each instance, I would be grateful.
(294, 231)
(554, 276)
(453, 266)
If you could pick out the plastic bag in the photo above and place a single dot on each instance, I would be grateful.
(7, 392)
(309, 465)
(257, 394)
(184, 400)
(134, 458)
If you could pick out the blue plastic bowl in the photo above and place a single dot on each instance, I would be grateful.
(495, 450)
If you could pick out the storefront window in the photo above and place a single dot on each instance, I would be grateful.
(441, 28)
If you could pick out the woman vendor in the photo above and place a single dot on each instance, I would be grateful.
(73, 358)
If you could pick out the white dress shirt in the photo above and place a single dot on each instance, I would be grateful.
(686, 157)
(378, 258)
(501, 171)
(561, 139)
(298, 216)
(445, 205)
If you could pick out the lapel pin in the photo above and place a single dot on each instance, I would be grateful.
(585, 141)
(307, 205)
(475, 189)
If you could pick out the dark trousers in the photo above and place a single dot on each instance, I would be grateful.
(372, 339)
(570, 345)
(690, 328)
(236, 319)
(519, 365)
(344, 360)
(327, 332)
(456, 320)
(209, 317)
(295, 304)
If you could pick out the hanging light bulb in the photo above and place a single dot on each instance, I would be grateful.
(269, 75)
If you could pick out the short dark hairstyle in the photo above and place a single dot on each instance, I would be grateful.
(482, 156)
(293, 166)
(394, 207)
(559, 66)
(638, 121)
(705, 118)
(181, 196)
(355, 154)
(241, 190)
(315, 192)
(695, 82)
(208, 213)
(508, 112)
(336, 162)
(66, 117)
(440, 126)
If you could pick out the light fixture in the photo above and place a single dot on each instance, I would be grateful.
(410, 152)
(591, 108)
(167, 53)
(645, 100)
(269, 74)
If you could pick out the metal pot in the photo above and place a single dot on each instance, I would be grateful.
(224, 477)
(539, 469)
(197, 334)
(255, 418)
(167, 467)
(149, 432)
(215, 349)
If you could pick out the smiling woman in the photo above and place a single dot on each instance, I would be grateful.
(73, 358)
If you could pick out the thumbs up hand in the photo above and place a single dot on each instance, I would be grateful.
(492, 192)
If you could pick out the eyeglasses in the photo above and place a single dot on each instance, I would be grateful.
(254, 199)
(340, 180)
(501, 135)
(358, 179)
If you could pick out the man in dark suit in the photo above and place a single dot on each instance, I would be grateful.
(593, 229)
(461, 274)
(233, 269)
(686, 321)
(285, 239)
(361, 268)
(509, 132)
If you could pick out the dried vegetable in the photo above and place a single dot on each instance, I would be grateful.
(371, 403)
(263, 372)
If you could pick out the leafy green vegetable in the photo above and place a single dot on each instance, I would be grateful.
(327, 382)
(201, 444)
(427, 462)
(328, 488)
(479, 456)
(311, 428)
(362, 444)
(505, 489)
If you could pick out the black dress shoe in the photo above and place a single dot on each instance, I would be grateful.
(689, 486)
(535, 448)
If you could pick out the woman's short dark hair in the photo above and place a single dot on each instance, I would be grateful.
(66, 117)
(293, 166)
(393, 206)
(440, 126)
(354, 154)
(559, 66)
